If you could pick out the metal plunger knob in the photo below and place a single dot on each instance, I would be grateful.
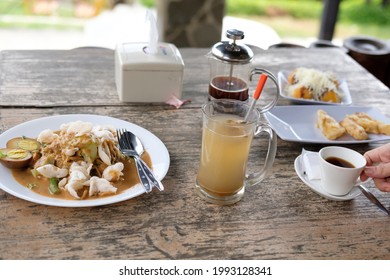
(235, 34)
(231, 52)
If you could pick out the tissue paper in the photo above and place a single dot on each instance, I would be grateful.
(311, 165)
(153, 33)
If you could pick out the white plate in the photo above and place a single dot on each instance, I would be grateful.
(315, 185)
(297, 123)
(156, 149)
(343, 87)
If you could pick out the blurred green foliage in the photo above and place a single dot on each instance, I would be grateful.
(148, 3)
(297, 9)
(11, 7)
(358, 14)
(350, 11)
(355, 16)
(355, 11)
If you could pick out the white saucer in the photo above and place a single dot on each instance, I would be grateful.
(315, 185)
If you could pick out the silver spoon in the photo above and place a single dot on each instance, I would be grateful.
(373, 199)
(126, 149)
(139, 149)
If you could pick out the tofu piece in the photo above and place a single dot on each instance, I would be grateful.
(353, 129)
(329, 127)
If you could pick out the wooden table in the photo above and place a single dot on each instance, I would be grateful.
(280, 219)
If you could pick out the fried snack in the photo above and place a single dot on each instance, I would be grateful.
(354, 129)
(313, 84)
(369, 124)
(329, 127)
(384, 128)
(358, 125)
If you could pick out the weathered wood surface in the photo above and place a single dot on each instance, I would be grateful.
(280, 219)
(85, 77)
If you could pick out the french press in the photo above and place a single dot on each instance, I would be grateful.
(231, 69)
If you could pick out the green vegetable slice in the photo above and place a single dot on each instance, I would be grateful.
(53, 186)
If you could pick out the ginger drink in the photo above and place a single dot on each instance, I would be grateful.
(226, 143)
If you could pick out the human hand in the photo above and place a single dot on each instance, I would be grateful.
(378, 167)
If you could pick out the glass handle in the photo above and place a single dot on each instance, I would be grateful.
(255, 178)
(273, 78)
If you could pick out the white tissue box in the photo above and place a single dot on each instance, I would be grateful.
(144, 77)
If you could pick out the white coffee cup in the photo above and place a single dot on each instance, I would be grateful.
(338, 179)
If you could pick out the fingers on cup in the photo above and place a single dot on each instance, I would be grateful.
(381, 170)
(381, 154)
(363, 176)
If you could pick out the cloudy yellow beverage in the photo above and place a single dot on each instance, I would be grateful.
(225, 149)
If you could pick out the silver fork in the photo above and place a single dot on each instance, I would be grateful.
(126, 149)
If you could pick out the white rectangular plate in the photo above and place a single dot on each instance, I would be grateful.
(298, 123)
(343, 86)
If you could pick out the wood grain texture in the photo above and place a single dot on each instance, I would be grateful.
(85, 77)
(279, 219)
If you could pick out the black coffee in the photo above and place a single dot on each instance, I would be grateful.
(228, 87)
(339, 162)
